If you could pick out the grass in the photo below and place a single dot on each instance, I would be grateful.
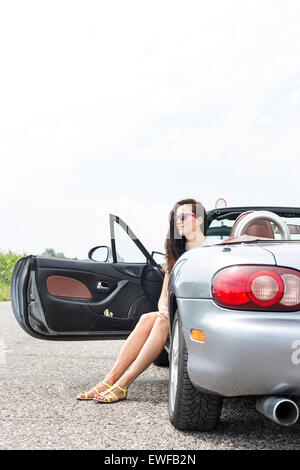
(7, 262)
(4, 291)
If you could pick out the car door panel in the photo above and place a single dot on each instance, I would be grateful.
(132, 291)
(54, 298)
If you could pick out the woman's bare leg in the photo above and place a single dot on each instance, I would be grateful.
(132, 347)
(128, 353)
(152, 347)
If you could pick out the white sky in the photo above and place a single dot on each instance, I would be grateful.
(129, 106)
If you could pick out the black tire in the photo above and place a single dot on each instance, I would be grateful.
(189, 409)
(162, 360)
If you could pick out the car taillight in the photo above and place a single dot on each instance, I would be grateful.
(257, 288)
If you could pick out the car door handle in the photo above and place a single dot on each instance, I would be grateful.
(102, 304)
(102, 287)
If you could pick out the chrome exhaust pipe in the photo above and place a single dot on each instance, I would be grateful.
(281, 410)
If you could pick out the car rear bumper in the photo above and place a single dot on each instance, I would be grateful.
(244, 353)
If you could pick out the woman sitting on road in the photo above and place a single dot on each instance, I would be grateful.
(187, 227)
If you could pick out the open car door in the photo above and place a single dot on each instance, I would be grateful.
(65, 299)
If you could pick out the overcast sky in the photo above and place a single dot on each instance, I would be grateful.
(129, 106)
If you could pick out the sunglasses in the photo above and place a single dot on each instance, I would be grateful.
(184, 216)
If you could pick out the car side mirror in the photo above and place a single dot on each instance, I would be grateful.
(158, 257)
(99, 253)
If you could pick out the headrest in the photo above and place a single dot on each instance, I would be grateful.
(258, 228)
(292, 228)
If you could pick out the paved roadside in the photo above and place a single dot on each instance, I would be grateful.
(39, 380)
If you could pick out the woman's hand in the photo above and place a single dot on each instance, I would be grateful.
(163, 312)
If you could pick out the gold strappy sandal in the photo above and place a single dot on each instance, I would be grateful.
(86, 393)
(109, 390)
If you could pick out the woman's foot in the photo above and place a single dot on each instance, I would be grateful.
(112, 394)
(93, 392)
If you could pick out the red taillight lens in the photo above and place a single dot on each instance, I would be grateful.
(257, 288)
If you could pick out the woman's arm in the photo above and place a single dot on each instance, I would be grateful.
(163, 300)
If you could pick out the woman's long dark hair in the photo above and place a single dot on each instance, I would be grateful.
(175, 244)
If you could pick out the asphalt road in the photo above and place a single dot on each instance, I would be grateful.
(39, 381)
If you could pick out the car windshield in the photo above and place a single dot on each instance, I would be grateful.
(220, 227)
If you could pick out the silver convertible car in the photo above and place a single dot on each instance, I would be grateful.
(234, 309)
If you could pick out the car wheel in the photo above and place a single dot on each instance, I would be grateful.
(162, 360)
(189, 409)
